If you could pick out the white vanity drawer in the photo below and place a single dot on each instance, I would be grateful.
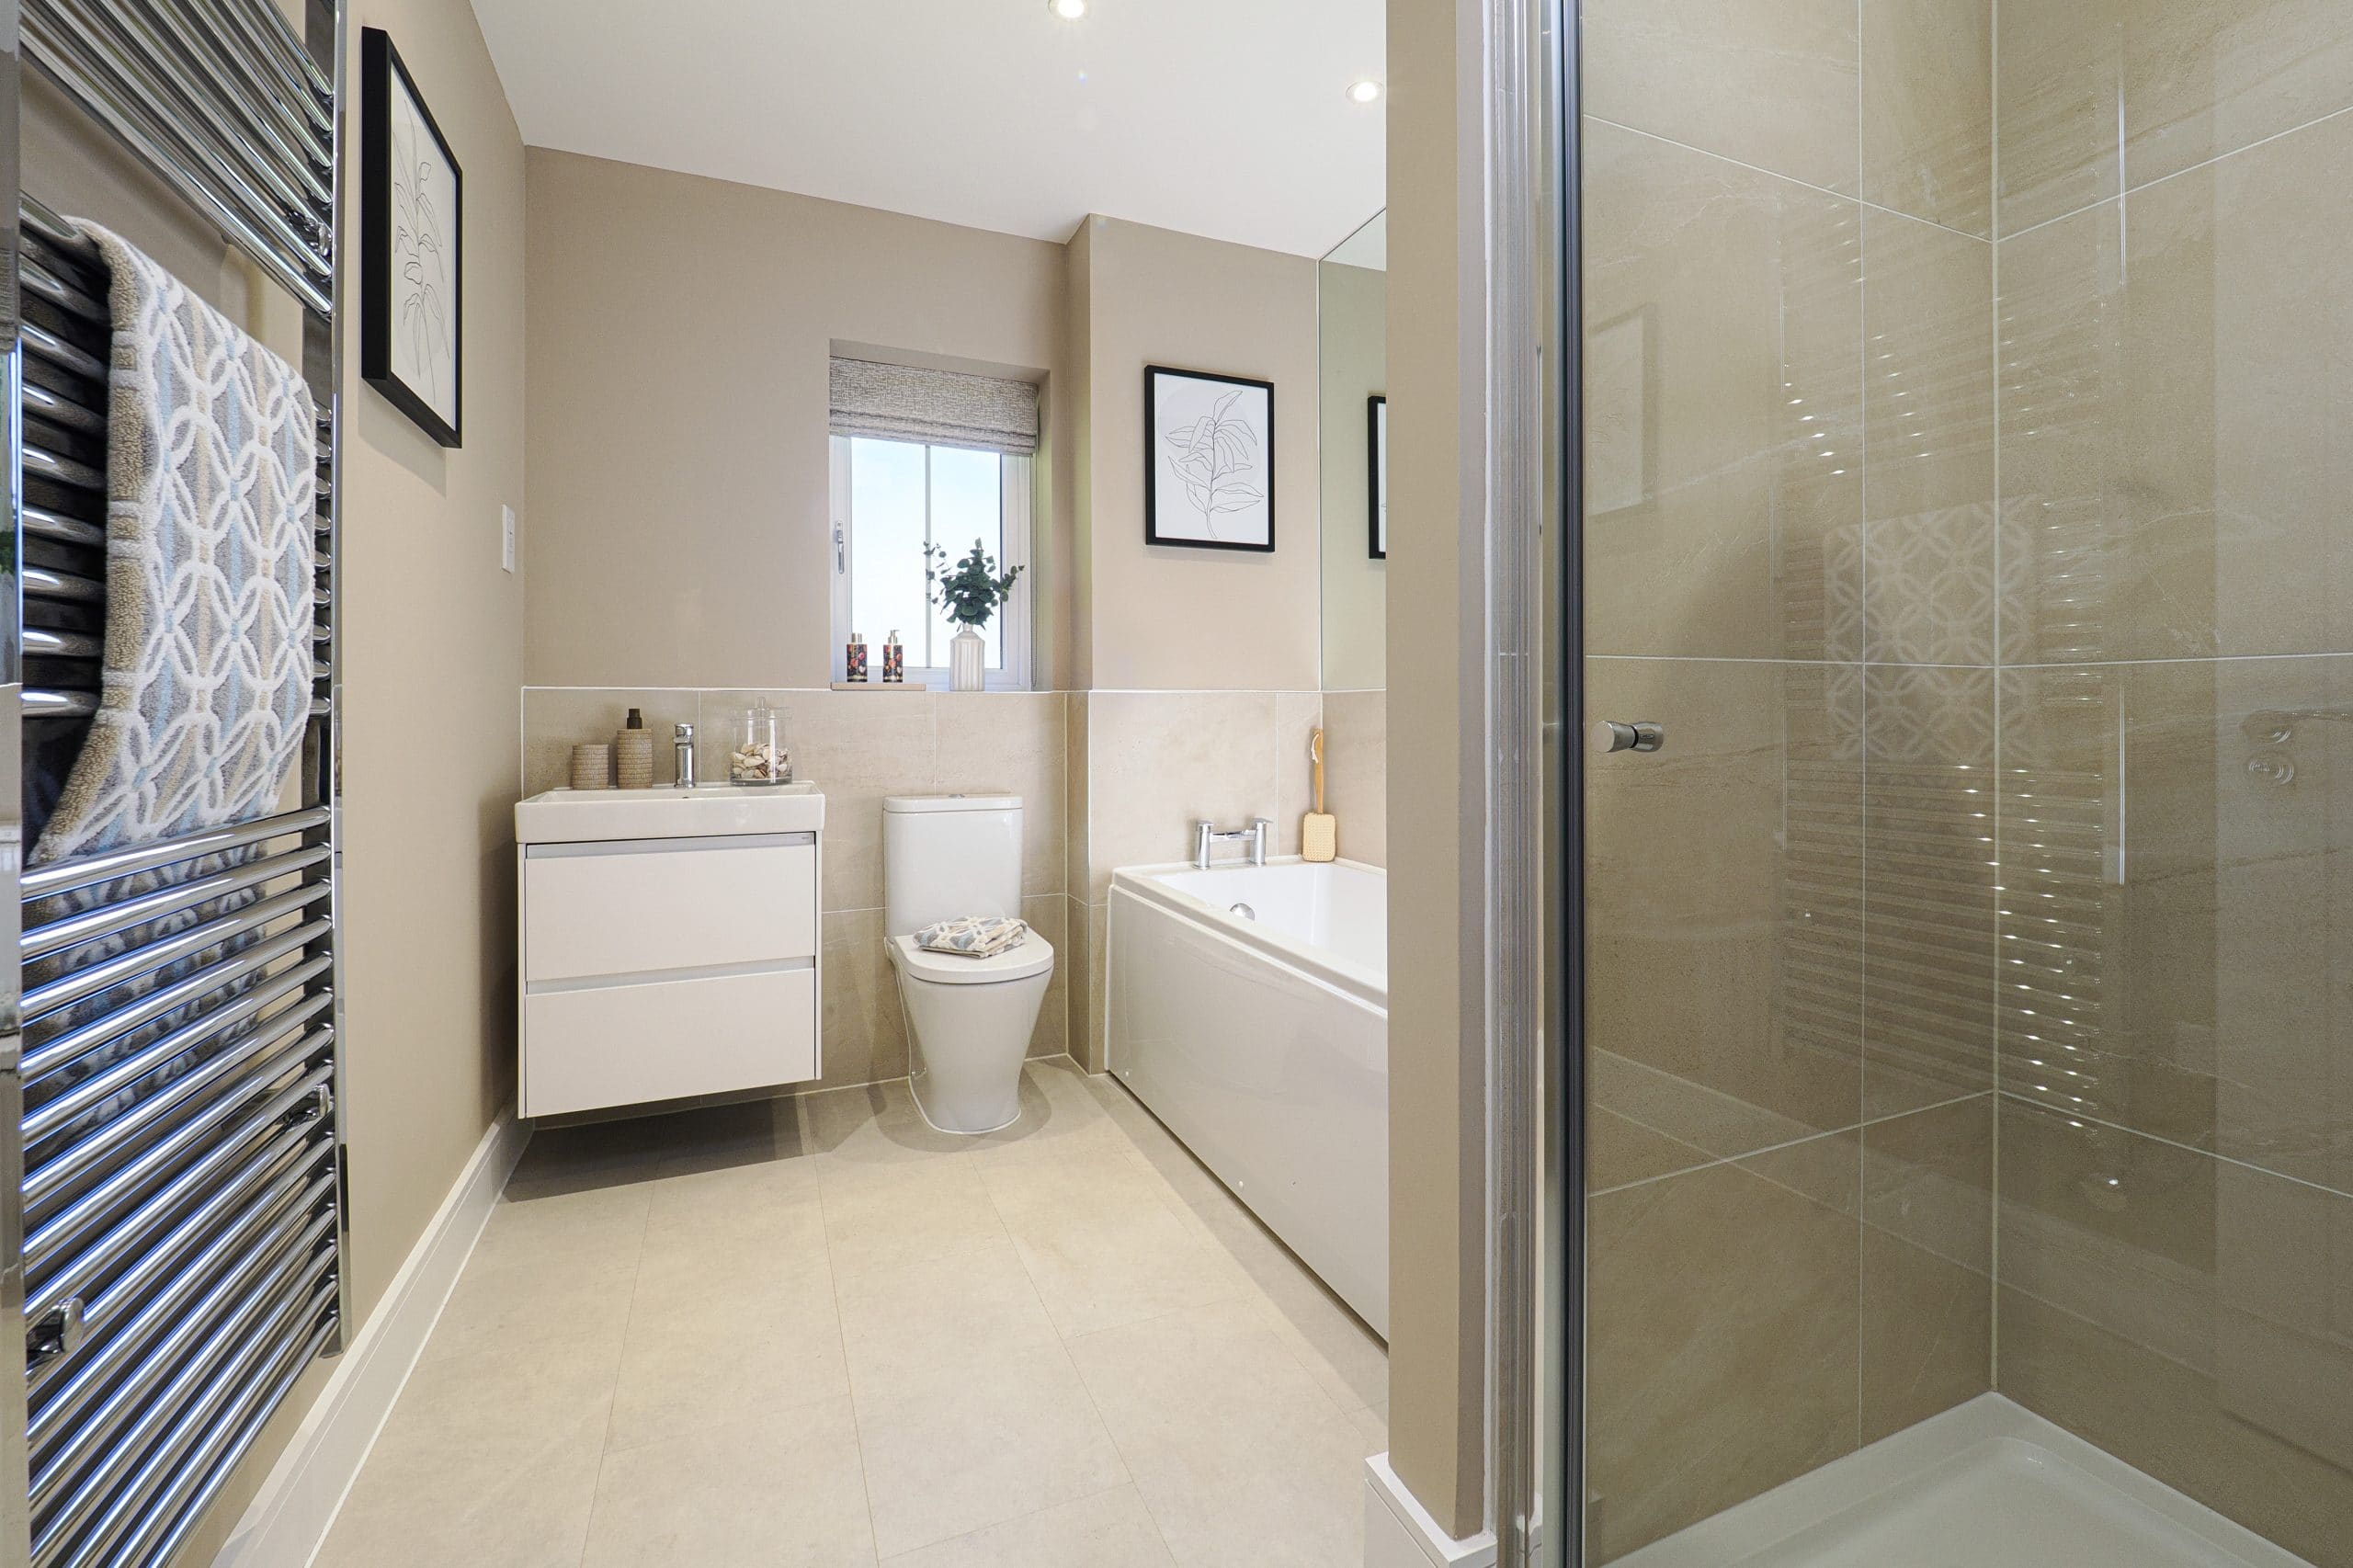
(609, 1045)
(639, 907)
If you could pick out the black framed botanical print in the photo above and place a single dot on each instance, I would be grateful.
(412, 255)
(1376, 479)
(1208, 472)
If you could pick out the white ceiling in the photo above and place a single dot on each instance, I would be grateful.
(1225, 118)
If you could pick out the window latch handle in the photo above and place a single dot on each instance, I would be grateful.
(841, 557)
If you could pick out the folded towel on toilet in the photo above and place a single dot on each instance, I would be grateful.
(974, 937)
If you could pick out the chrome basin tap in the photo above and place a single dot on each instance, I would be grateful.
(683, 737)
(1206, 834)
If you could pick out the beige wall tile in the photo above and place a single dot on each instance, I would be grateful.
(2059, 70)
(1769, 81)
(1927, 1281)
(1016, 742)
(1355, 772)
(865, 1028)
(1077, 770)
(1929, 400)
(557, 718)
(1724, 364)
(1724, 882)
(857, 748)
(1928, 107)
(1722, 1321)
(2208, 77)
(2185, 991)
(2188, 1315)
(1090, 1041)
(2169, 429)
(1928, 941)
(1164, 760)
(1047, 917)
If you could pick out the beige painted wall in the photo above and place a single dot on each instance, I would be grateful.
(1353, 331)
(432, 631)
(1166, 618)
(1437, 1157)
(679, 330)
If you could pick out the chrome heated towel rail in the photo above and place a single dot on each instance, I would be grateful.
(173, 1215)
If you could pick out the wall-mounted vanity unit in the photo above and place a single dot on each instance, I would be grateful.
(668, 943)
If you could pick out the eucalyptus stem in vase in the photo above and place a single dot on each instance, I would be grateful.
(970, 592)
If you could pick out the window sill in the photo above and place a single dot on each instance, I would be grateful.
(940, 689)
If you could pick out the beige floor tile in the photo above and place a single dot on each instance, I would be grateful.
(1193, 1369)
(953, 1451)
(939, 1311)
(1110, 1529)
(1099, 1264)
(736, 1339)
(1282, 1485)
(874, 1124)
(489, 1458)
(1348, 1361)
(879, 1216)
(784, 1490)
(559, 1266)
(799, 1332)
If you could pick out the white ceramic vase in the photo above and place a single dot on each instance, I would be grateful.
(967, 661)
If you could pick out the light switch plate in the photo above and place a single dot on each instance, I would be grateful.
(506, 537)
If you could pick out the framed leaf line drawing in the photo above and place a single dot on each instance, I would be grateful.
(1209, 472)
(412, 255)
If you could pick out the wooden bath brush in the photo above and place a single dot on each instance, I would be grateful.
(1319, 833)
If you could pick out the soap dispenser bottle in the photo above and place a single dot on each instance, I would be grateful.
(633, 753)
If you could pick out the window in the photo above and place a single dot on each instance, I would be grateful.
(890, 499)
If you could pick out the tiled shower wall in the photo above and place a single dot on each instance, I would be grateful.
(1789, 548)
(2175, 817)
(1998, 827)
(1107, 778)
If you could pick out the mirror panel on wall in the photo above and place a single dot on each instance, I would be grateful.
(1353, 350)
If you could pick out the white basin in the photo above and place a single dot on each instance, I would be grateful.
(707, 811)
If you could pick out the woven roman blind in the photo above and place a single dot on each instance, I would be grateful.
(900, 402)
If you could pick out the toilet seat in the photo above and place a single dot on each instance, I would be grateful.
(1033, 955)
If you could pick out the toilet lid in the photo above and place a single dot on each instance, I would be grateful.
(1030, 956)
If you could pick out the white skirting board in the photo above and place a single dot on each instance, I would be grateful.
(289, 1518)
(1400, 1533)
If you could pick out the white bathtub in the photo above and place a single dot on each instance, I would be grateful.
(1262, 1039)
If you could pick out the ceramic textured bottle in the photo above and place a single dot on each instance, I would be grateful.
(633, 753)
(967, 661)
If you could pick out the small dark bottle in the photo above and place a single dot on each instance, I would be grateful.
(894, 662)
(854, 659)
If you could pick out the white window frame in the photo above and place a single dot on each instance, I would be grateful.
(1014, 501)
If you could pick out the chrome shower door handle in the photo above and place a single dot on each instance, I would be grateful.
(1606, 735)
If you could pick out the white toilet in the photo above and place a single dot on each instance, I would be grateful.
(945, 857)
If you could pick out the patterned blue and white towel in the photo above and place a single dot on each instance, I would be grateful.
(211, 475)
(974, 937)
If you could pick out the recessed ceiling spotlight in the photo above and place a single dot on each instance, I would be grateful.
(1364, 92)
(1068, 10)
